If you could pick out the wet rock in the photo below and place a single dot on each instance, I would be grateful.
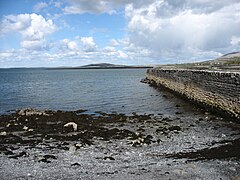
(134, 113)
(80, 111)
(165, 96)
(23, 153)
(161, 129)
(145, 80)
(31, 112)
(148, 139)
(176, 128)
(45, 158)
(224, 150)
(6, 150)
(166, 119)
(191, 125)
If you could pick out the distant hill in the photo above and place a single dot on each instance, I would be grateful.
(229, 62)
(104, 66)
(229, 59)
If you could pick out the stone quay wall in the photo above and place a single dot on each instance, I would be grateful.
(216, 89)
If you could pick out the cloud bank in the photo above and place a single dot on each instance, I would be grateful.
(32, 27)
(156, 32)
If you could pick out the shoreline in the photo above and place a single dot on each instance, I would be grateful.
(60, 144)
(217, 90)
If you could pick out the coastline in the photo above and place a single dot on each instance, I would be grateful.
(214, 89)
(40, 145)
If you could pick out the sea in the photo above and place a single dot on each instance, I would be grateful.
(107, 90)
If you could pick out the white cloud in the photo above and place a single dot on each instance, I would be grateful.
(173, 35)
(6, 54)
(39, 6)
(88, 44)
(235, 41)
(157, 31)
(33, 44)
(71, 45)
(32, 27)
(109, 49)
(83, 6)
(121, 54)
(172, 29)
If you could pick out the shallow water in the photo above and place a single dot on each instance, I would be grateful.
(180, 141)
(95, 90)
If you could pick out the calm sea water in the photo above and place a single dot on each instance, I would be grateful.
(95, 90)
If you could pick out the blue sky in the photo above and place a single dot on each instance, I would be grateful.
(78, 32)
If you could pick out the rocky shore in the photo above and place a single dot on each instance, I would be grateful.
(49, 144)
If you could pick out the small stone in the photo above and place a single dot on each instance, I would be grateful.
(18, 155)
(72, 148)
(78, 145)
(165, 96)
(109, 158)
(30, 130)
(75, 164)
(25, 128)
(46, 158)
(73, 124)
(172, 128)
(49, 156)
(4, 133)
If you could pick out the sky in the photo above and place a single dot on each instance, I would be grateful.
(56, 33)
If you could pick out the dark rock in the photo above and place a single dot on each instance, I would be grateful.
(23, 153)
(75, 164)
(161, 129)
(44, 160)
(145, 80)
(109, 158)
(80, 111)
(141, 129)
(165, 96)
(172, 128)
(224, 150)
(47, 156)
(148, 139)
